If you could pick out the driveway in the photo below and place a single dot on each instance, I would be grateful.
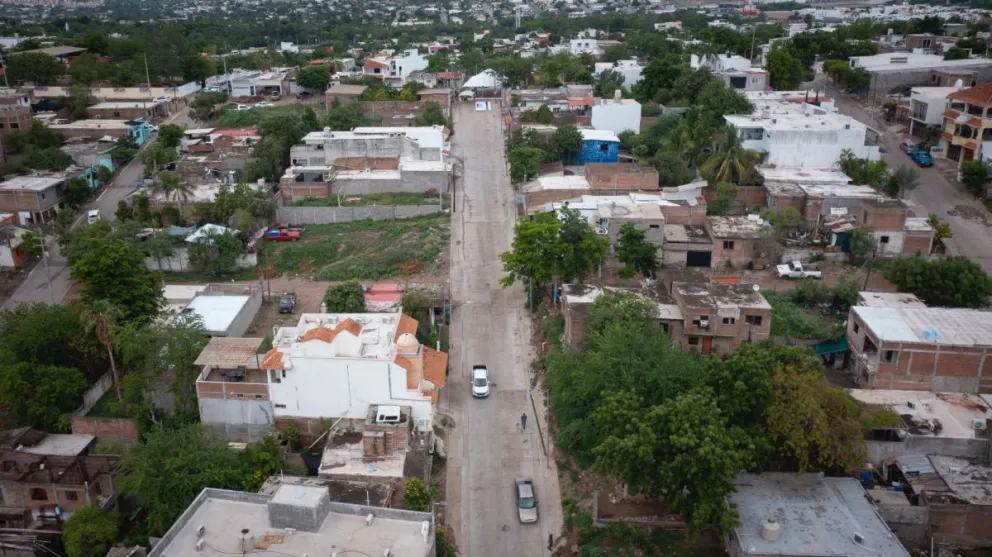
(487, 449)
(969, 219)
(35, 287)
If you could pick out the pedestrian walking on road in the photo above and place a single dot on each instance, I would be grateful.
(523, 421)
(551, 541)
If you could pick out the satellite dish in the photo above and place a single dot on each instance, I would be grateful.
(756, 287)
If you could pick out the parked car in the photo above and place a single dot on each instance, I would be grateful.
(242, 107)
(264, 104)
(526, 500)
(276, 96)
(921, 158)
(287, 303)
(93, 216)
(304, 95)
(163, 99)
(284, 234)
(795, 269)
(907, 146)
(480, 381)
(152, 127)
(214, 89)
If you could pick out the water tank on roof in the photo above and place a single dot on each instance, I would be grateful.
(770, 530)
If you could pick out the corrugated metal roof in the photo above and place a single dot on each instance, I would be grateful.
(915, 465)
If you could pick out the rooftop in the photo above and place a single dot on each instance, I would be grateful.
(966, 480)
(544, 183)
(885, 62)
(53, 51)
(60, 444)
(751, 226)
(937, 326)
(804, 176)
(934, 414)
(599, 135)
(818, 517)
(236, 522)
(792, 122)
(680, 233)
(93, 124)
(344, 89)
(374, 332)
(889, 299)
(582, 294)
(217, 312)
(708, 295)
(979, 95)
(34, 182)
(230, 352)
(127, 105)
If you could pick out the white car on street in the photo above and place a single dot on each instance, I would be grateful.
(480, 381)
(264, 104)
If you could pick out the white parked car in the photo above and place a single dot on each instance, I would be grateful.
(480, 381)
(93, 216)
(526, 500)
(163, 99)
(796, 270)
(264, 104)
(242, 107)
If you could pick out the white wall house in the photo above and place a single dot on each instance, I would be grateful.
(629, 69)
(589, 46)
(736, 71)
(616, 115)
(927, 106)
(327, 366)
(395, 69)
(804, 136)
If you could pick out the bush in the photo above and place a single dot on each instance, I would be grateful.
(417, 496)
(346, 297)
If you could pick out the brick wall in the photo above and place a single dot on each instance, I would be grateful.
(960, 522)
(18, 119)
(14, 201)
(231, 390)
(917, 242)
(291, 190)
(882, 218)
(747, 196)
(738, 251)
(361, 163)
(121, 430)
(541, 198)
(620, 176)
(91, 133)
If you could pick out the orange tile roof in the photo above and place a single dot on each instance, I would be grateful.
(947, 136)
(974, 121)
(328, 335)
(272, 360)
(372, 63)
(435, 366)
(952, 114)
(980, 95)
(407, 324)
(971, 145)
(414, 373)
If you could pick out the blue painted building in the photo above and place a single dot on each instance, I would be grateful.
(140, 131)
(597, 146)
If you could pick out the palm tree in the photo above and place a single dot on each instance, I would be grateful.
(902, 181)
(102, 317)
(731, 161)
(171, 186)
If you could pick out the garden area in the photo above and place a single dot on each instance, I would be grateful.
(377, 199)
(365, 250)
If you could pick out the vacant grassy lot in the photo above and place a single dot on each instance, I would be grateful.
(362, 250)
(229, 118)
(397, 198)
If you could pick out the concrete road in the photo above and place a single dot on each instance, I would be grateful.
(52, 284)
(487, 449)
(935, 194)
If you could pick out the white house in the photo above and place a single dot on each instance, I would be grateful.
(327, 366)
(803, 135)
(736, 71)
(396, 68)
(927, 106)
(616, 115)
(589, 46)
(629, 69)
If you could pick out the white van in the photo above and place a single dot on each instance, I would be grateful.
(93, 216)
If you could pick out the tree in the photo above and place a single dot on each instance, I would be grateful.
(615, 53)
(692, 452)
(731, 161)
(950, 282)
(345, 297)
(114, 270)
(637, 253)
(76, 192)
(216, 252)
(89, 532)
(433, 115)
(314, 77)
(36, 138)
(525, 162)
(782, 218)
(171, 135)
(309, 121)
(618, 309)
(717, 100)
(837, 69)
(975, 176)
(171, 186)
(85, 69)
(857, 80)
(672, 170)
(535, 252)
(785, 71)
(102, 319)
(566, 141)
(862, 244)
(417, 496)
(32, 243)
(41, 395)
(904, 180)
(941, 228)
(80, 97)
(172, 467)
(726, 196)
(863, 171)
(956, 53)
(607, 82)
(345, 117)
(35, 67)
(155, 156)
(582, 249)
(544, 115)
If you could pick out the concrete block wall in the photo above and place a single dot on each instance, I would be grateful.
(879, 452)
(330, 215)
(960, 523)
(119, 430)
(179, 261)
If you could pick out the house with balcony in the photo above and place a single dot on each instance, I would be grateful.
(968, 124)
(927, 106)
(394, 69)
(717, 318)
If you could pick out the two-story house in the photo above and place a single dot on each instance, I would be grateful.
(719, 317)
(927, 106)
(329, 366)
(15, 110)
(34, 198)
(394, 69)
(968, 124)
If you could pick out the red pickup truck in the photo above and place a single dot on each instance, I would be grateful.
(284, 234)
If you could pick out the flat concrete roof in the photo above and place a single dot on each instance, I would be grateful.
(717, 296)
(36, 182)
(889, 299)
(117, 105)
(937, 326)
(947, 415)
(224, 514)
(967, 480)
(93, 124)
(345, 89)
(804, 175)
(882, 63)
(817, 516)
(217, 312)
(52, 51)
(737, 227)
(60, 444)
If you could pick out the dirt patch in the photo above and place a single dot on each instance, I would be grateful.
(611, 505)
(970, 212)
(346, 438)
(360, 493)
(10, 281)
(309, 294)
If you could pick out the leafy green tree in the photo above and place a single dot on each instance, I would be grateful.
(114, 270)
(171, 135)
(607, 83)
(672, 170)
(171, 186)
(904, 180)
(41, 395)
(863, 171)
(76, 192)
(85, 69)
(658, 78)
(35, 67)
(36, 138)
(345, 297)
(172, 467)
(950, 282)
(314, 77)
(862, 244)
(32, 243)
(837, 69)
(975, 176)
(544, 115)
(102, 319)
(345, 117)
(566, 141)
(156, 155)
(618, 309)
(857, 80)
(615, 53)
(417, 496)
(941, 228)
(782, 218)
(637, 253)
(216, 252)
(309, 120)
(726, 196)
(433, 115)
(48, 159)
(731, 161)
(535, 253)
(956, 53)
(263, 460)
(242, 197)
(43, 334)
(582, 249)
(692, 452)
(525, 163)
(717, 100)
(785, 71)
(89, 532)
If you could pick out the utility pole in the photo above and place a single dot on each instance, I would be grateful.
(148, 81)
(5, 84)
(48, 274)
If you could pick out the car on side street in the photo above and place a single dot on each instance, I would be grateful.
(921, 158)
(284, 234)
(480, 381)
(907, 146)
(526, 501)
(287, 303)
(264, 104)
(92, 216)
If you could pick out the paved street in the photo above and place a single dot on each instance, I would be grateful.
(487, 449)
(36, 287)
(935, 193)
